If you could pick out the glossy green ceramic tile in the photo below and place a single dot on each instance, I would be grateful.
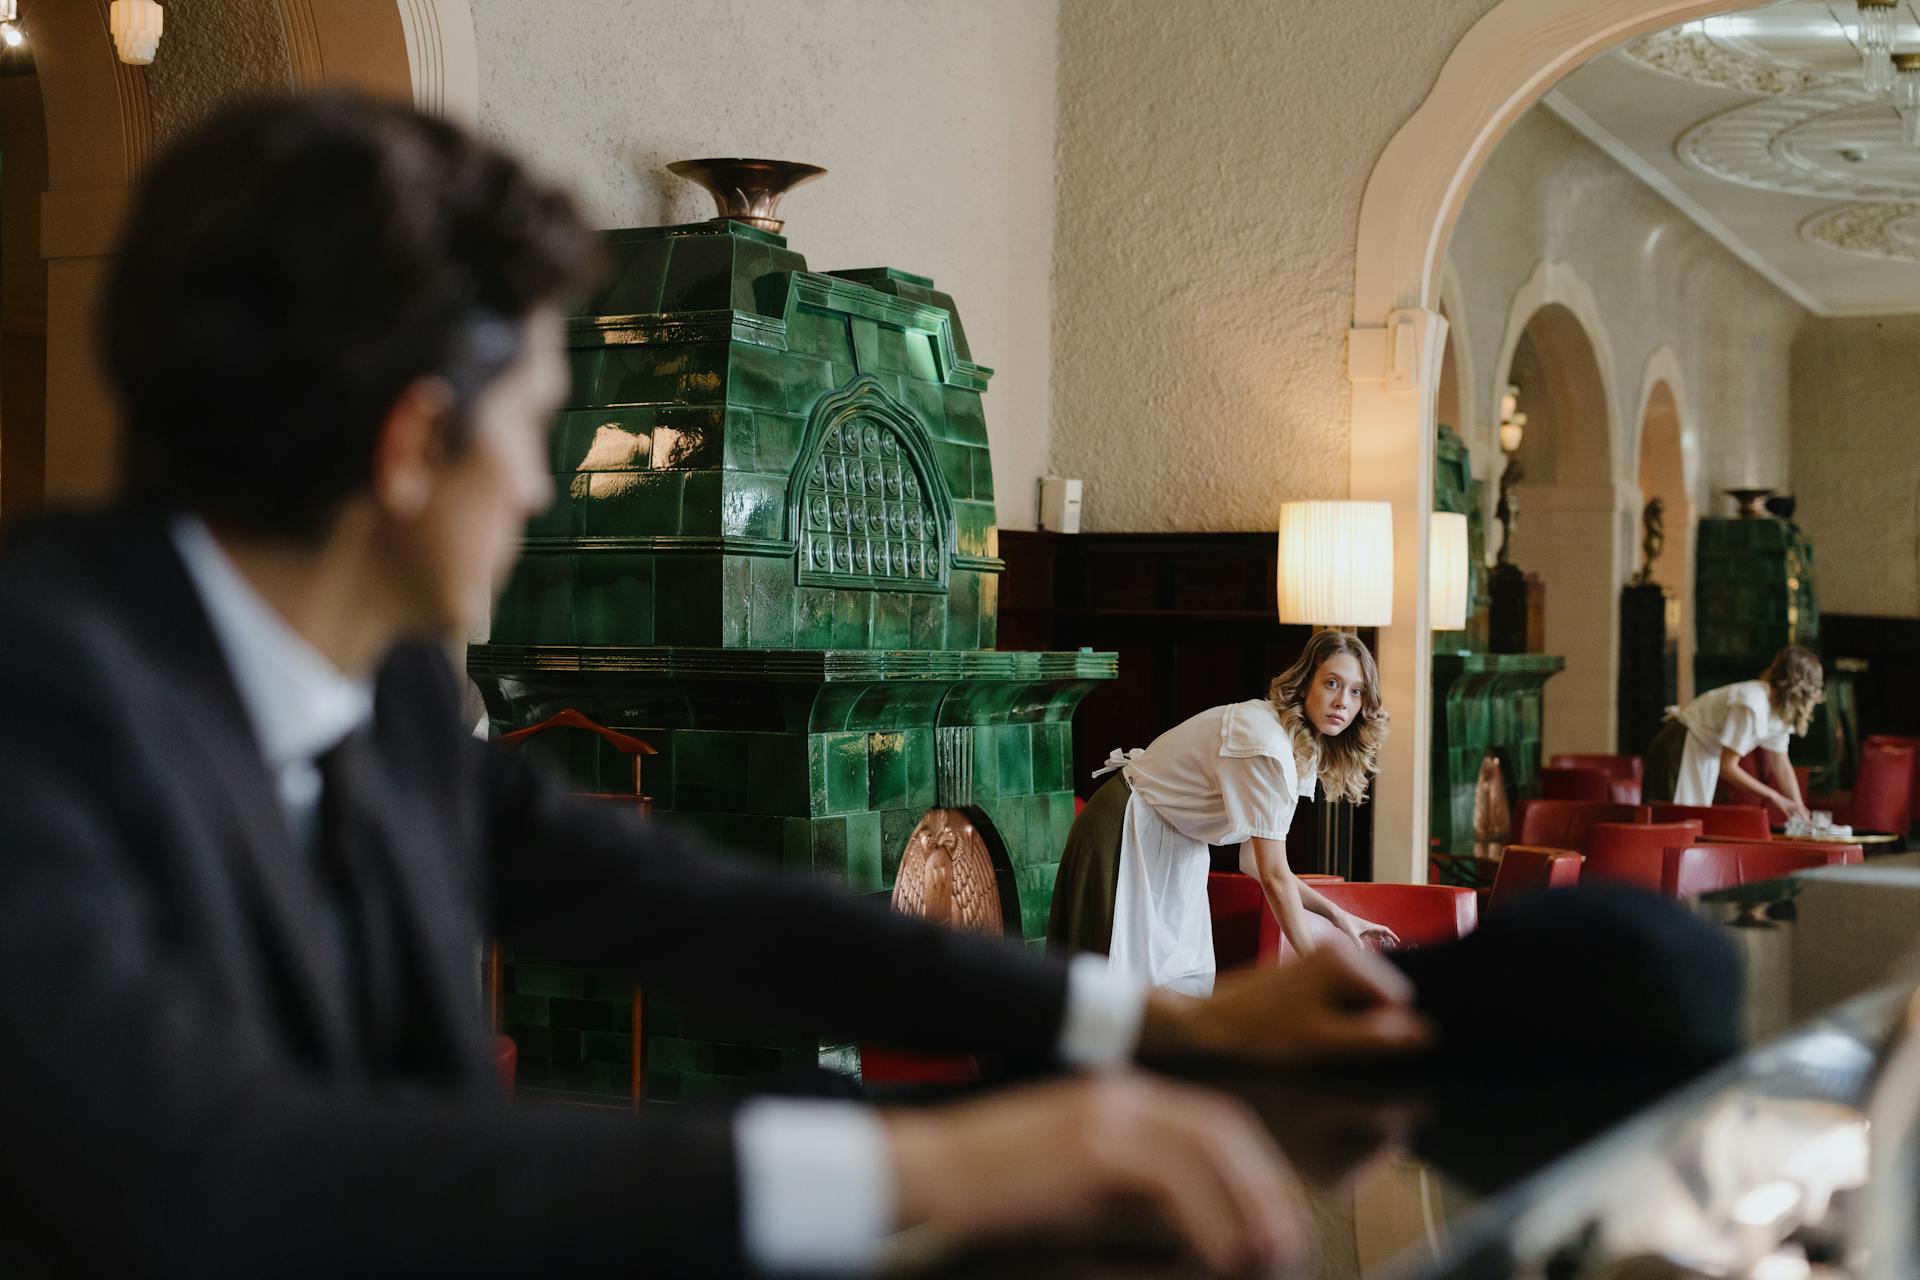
(886, 770)
(771, 611)
(966, 421)
(753, 505)
(819, 333)
(846, 763)
(633, 503)
(777, 438)
(1016, 759)
(892, 620)
(759, 378)
(928, 403)
(601, 439)
(852, 619)
(635, 282)
(866, 345)
(956, 464)
(699, 274)
(736, 594)
(700, 505)
(974, 524)
(863, 867)
(613, 598)
(691, 438)
(584, 375)
(929, 622)
(750, 262)
(537, 606)
(812, 613)
(777, 765)
(687, 603)
(963, 609)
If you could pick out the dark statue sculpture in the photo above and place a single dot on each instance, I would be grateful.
(1507, 510)
(1653, 539)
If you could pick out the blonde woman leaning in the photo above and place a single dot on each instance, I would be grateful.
(1706, 739)
(1133, 878)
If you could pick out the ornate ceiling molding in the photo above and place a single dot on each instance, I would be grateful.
(1872, 230)
(1692, 56)
(1840, 143)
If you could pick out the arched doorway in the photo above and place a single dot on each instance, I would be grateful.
(1663, 474)
(103, 119)
(1510, 57)
(1564, 527)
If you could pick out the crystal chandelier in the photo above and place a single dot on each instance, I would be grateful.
(1906, 95)
(1876, 43)
(136, 28)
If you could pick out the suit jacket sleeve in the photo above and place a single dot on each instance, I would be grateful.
(150, 1124)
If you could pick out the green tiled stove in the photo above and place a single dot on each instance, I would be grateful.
(774, 558)
(1482, 702)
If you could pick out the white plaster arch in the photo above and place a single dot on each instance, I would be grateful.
(1664, 366)
(1505, 62)
(1558, 284)
(1663, 370)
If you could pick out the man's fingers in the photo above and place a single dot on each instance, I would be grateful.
(1361, 976)
(1229, 1161)
(1386, 1029)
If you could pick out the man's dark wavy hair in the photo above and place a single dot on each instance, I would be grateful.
(288, 270)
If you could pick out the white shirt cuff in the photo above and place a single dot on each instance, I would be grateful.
(1104, 1012)
(815, 1185)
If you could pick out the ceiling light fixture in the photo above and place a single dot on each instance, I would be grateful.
(1876, 43)
(136, 26)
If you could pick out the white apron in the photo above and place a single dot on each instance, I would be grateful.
(1224, 776)
(1737, 716)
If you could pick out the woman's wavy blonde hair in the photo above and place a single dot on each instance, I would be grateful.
(1796, 685)
(1344, 762)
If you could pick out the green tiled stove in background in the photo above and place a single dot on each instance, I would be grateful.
(773, 555)
(1481, 701)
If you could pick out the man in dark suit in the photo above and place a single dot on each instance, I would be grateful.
(247, 852)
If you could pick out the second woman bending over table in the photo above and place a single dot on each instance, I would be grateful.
(1705, 741)
(1133, 879)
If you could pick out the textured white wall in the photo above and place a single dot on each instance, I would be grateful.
(1856, 461)
(935, 121)
(1212, 158)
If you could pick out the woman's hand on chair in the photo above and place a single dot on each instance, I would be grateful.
(1366, 934)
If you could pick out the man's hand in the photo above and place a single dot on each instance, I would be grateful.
(1335, 1003)
(1067, 1153)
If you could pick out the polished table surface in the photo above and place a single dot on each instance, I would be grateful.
(1542, 1171)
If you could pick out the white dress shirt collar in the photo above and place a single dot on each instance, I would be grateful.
(299, 703)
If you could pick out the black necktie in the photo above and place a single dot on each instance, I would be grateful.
(354, 868)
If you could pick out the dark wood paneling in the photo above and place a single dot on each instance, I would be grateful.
(1192, 616)
(1888, 691)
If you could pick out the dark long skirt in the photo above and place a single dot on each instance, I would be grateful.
(1660, 771)
(1081, 918)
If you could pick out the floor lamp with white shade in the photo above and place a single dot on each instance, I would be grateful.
(1335, 570)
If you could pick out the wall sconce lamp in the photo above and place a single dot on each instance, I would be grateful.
(136, 27)
(1513, 423)
(1335, 566)
(1448, 583)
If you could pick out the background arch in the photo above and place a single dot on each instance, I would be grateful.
(1505, 62)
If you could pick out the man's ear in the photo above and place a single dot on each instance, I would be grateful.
(411, 447)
